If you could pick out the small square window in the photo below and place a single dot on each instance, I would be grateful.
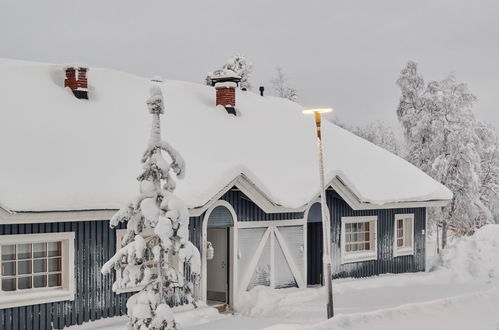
(358, 239)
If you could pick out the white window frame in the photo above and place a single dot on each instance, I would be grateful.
(120, 233)
(35, 296)
(349, 257)
(403, 251)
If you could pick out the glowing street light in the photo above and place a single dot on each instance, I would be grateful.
(326, 232)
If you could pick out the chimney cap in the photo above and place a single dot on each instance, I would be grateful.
(223, 75)
(75, 66)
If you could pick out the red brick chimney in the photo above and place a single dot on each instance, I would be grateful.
(226, 94)
(225, 82)
(76, 80)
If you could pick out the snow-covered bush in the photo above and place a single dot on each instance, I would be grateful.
(157, 228)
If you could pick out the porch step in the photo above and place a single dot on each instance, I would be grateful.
(224, 309)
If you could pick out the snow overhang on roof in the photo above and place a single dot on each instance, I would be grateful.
(66, 155)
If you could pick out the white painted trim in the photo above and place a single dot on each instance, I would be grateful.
(233, 249)
(289, 258)
(272, 257)
(398, 252)
(250, 189)
(55, 216)
(278, 223)
(357, 204)
(242, 182)
(43, 295)
(359, 256)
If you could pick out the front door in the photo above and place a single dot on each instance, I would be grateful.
(218, 267)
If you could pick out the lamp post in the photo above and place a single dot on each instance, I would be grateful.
(326, 231)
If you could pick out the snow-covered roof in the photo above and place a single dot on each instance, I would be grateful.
(62, 153)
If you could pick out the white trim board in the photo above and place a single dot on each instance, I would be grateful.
(233, 264)
(242, 182)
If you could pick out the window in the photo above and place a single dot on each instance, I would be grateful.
(403, 235)
(172, 260)
(36, 262)
(358, 239)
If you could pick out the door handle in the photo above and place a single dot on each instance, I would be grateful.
(223, 264)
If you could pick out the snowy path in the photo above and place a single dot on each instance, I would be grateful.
(266, 307)
(461, 294)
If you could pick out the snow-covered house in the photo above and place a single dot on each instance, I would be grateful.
(69, 159)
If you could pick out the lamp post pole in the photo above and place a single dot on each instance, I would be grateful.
(326, 232)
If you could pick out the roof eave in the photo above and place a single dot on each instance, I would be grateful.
(357, 204)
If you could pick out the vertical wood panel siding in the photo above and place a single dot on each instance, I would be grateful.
(246, 210)
(385, 262)
(94, 244)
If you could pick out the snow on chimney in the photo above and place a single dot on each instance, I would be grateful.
(76, 80)
(225, 83)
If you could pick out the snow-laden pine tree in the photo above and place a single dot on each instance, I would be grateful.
(157, 229)
(440, 131)
(280, 86)
(242, 67)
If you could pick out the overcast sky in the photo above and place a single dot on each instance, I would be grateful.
(346, 54)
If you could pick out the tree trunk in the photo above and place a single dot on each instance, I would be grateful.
(444, 234)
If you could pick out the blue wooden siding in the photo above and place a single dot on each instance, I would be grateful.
(385, 262)
(95, 243)
(246, 210)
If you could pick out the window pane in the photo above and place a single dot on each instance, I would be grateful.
(8, 268)
(348, 227)
(39, 250)
(348, 238)
(400, 242)
(9, 284)
(24, 251)
(348, 248)
(55, 264)
(24, 267)
(39, 265)
(40, 281)
(367, 236)
(55, 249)
(368, 246)
(8, 252)
(24, 283)
(55, 280)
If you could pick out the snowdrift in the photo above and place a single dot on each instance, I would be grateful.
(474, 257)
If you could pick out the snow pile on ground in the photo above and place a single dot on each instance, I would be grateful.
(462, 286)
(476, 311)
(474, 257)
(185, 316)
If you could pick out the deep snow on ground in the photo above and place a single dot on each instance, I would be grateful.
(460, 292)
